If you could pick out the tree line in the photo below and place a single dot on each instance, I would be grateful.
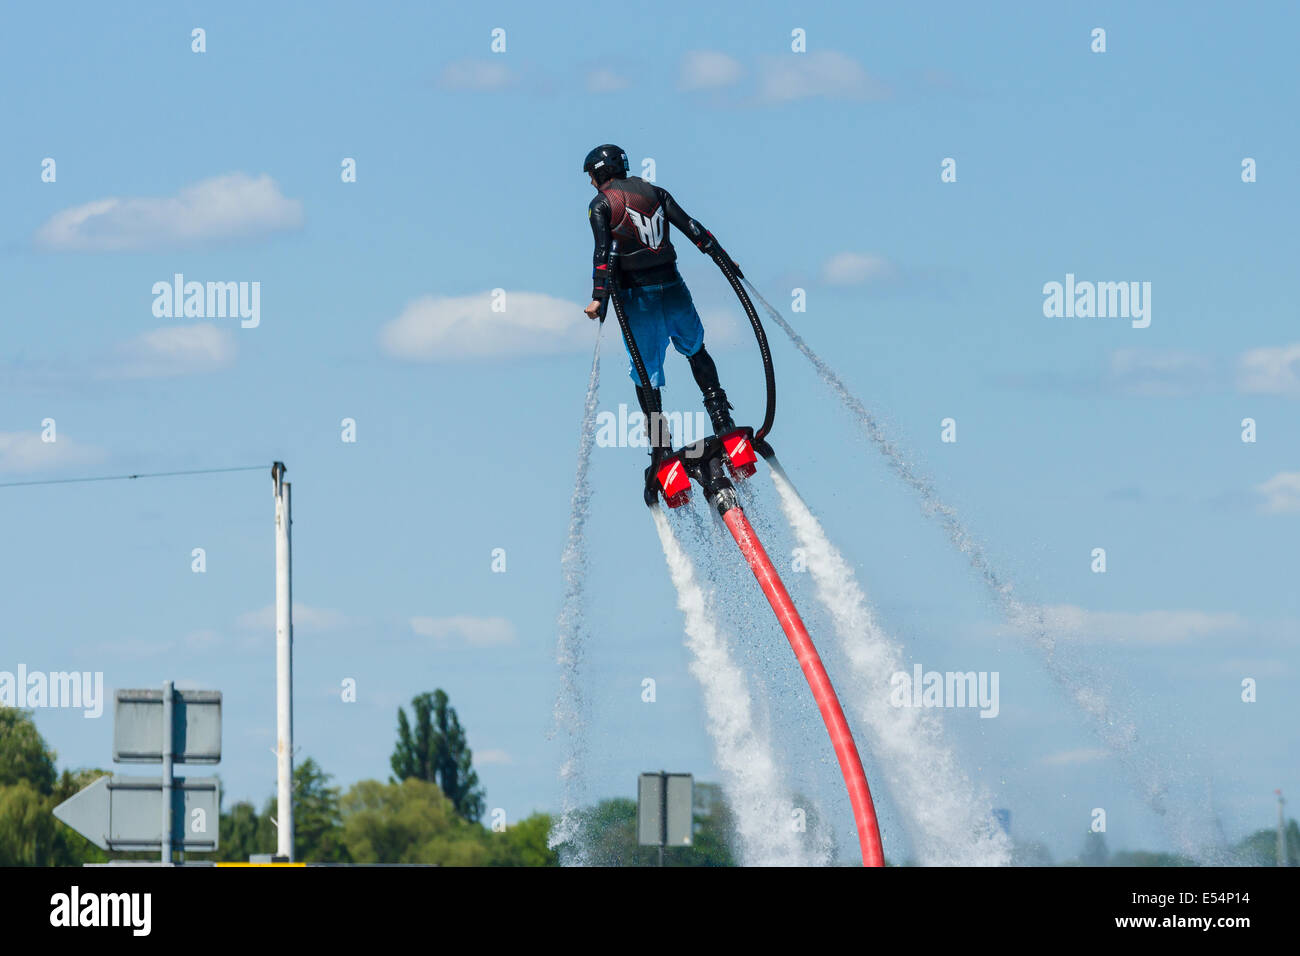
(429, 811)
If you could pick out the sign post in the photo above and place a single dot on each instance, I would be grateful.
(164, 813)
(665, 810)
(168, 711)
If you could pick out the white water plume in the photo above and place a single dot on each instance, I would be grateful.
(571, 709)
(1151, 778)
(951, 823)
(743, 752)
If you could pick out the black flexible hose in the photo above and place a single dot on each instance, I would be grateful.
(729, 270)
(652, 393)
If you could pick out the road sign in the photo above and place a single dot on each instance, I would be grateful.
(138, 726)
(126, 813)
(649, 804)
(665, 809)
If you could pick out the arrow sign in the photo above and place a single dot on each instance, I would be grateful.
(125, 813)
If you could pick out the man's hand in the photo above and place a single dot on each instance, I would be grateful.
(735, 266)
(710, 246)
(593, 310)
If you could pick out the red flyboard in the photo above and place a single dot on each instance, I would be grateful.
(675, 482)
(740, 453)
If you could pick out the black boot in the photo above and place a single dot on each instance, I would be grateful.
(715, 399)
(656, 426)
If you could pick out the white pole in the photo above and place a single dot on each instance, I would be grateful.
(283, 664)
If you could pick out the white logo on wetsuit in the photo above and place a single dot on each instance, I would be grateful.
(651, 230)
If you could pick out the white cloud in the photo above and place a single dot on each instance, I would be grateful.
(25, 452)
(434, 328)
(465, 630)
(1281, 493)
(225, 207)
(724, 328)
(1072, 757)
(203, 639)
(854, 268)
(487, 757)
(606, 81)
(479, 76)
(1273, 370)
(822, 73)
(196, 641)
(1142, 627)
(305, 618)
(135, 647)
(174, 350)
(1155, 372)
(1255, 667)
(706, 70)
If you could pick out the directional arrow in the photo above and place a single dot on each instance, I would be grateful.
(86, 811)
(125, 813)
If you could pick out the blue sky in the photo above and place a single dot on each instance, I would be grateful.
(818, 171)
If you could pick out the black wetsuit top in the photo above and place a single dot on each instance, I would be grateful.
(638, 214)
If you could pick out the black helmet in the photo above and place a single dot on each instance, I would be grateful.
(606, 162)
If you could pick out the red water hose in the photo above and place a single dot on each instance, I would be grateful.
(864, 812)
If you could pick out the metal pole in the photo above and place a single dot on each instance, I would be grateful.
(167, 703)
(283, 664)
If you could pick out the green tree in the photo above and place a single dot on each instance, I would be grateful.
(70, 847)
(437, 752)
(1260, 848)
(26, 826)
(525, 843)
(1148, 858)
(409, 822)
(317, 816)
(608, 833)
(30, 789)
(317, 823)
(245, 832)
(415, 756)
(24, 756)
(715, 827)
(1094, 850)
(1029, 853)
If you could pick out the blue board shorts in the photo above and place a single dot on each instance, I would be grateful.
(657, 314)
